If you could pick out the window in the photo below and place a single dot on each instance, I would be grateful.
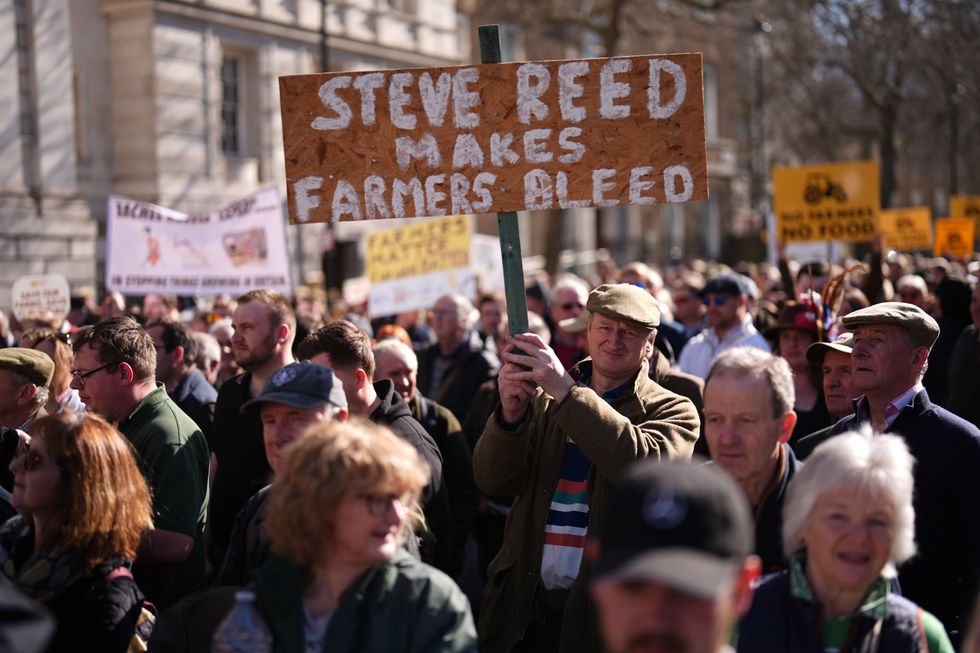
(231, 106)
(710, 102)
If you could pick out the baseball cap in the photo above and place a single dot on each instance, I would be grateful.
(844, 343)
(685, 525)
(726, 284)
(625, 302)
(34, 365)
(919, 324)
(301, 385)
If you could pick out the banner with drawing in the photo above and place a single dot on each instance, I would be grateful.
(237, 248)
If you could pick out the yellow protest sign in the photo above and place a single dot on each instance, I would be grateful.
(906, 229)
(954, 236)
(964, 206)
(418, 249)
(834, 201)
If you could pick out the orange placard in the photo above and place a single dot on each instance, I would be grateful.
(494, 137)
(906, 229)
(954, 237)
(835, 201)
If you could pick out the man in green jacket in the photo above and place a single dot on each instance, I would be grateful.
(556, 443)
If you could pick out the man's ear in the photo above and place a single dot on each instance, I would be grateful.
(25, 394)
(786, 425)
(361, 377)
(282, 333)
(179, 354)
(126, 372)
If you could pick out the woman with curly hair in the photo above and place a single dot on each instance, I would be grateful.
(84, 508)
(337, 513)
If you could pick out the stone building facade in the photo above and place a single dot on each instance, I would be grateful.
(171, 102)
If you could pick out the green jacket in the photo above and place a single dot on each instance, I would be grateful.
(525, 463)
(402, 605)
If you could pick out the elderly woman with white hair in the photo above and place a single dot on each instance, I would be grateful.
(847, 522)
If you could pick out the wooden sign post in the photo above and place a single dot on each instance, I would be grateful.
(496, 137)
(507, 228)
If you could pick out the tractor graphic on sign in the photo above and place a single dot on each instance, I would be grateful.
(819, 186)
(971, 210)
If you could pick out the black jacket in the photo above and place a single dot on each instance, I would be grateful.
(471, 365)
(457, 458)
(769, 518)
(942, 578)
(242, 466)
(394, 413)
(778, 621)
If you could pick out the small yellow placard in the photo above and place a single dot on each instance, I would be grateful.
(954, 236)
(964, 206)
(418, 249)
(906, 229)
(835, 201)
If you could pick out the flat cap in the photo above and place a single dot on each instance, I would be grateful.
(35, 365)
(626, 303)
(844, 343)
(919, 324)
(727, 284)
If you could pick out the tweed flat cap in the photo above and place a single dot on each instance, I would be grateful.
(920, 325)
(33, 364)
(626, 303)
(843, 343)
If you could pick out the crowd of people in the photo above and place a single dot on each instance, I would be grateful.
(759, 458)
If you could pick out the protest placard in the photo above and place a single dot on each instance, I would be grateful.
(906, 229)
(237, 248)
(494, 137)
(835, 201)
(954, 236)
(410, 267)
(41, 295)
(964, 206)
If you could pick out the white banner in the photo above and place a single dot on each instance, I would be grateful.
(421, 291)
(235, 249)
(39, 294)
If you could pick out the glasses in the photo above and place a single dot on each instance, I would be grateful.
(567, 306)
(80, 376)
(717, 300)
(379, 504)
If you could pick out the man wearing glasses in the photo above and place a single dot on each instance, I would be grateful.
(114, 373)
(730, 325)
(568, 301)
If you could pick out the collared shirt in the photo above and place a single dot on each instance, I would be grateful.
(701, 350)
(894, 407)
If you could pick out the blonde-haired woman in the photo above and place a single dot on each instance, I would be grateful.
(84, 509)
(55, 344)
(847, 522)
(340, 579)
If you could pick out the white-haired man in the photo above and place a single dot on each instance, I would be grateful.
(452, 369)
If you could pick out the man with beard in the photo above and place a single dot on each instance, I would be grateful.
(264, 327)
(675, 565)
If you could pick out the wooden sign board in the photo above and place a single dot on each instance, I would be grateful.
(494, 137)
(906, 229)
(954, 236)
(836, 201)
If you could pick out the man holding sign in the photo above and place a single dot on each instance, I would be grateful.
(555, 442)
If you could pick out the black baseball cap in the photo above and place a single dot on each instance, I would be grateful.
(301, 385)
(730, 283)
(685, 525)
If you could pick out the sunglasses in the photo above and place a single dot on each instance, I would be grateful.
(717, 300)
(567, 306)
(379, 504)
(32, 460)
